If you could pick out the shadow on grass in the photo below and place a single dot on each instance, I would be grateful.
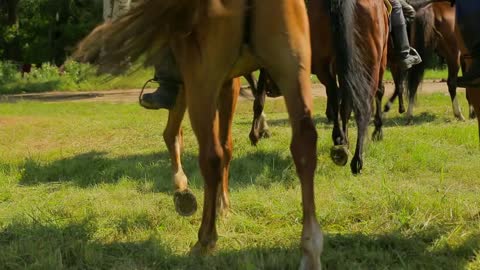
(401, 120)
(73, 246)
(285, 122)
(418, 119)
(92, 168)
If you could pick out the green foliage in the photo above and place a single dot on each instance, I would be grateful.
(88, 186)
(74, 77)
(8, 72)
(40, 37)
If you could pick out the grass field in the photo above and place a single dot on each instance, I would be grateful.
(87, 186)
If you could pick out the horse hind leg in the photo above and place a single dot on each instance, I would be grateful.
(259, 124)
(205, 124)
(378, 132)
(339, 151)
(184, 200)
(287, 59)
(452, 89)
(226, 109)
(398, 78)
(473, 96)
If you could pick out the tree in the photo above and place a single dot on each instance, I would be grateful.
(46, 30)
(9, 20)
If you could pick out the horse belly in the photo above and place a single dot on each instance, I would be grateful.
(246, 63)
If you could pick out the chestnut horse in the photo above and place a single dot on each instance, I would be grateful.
(208, 40)
(184, 200)
(432, 30)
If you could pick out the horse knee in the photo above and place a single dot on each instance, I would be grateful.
(227, 152)
(168, 138)
(304, 140)
(211, 162)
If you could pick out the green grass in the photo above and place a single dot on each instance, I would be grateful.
(87, 186)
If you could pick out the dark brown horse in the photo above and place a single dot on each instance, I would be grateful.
(433, 30)
(208, 40)
(373, 21)
(473, 95)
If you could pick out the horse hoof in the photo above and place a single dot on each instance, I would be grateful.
(254, 138)
(339, 155)
(200, 250)
(401, 110)
(386, 108)
(265, 134)
(356, 166)
(185, 203)
(473, 115)
(409, 121)
(377, 136)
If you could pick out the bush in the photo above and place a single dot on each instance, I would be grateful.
(8, 72)
(73, 76)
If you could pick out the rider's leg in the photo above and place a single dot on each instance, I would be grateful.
(468, 22)
(406, 55)
(168, 76)
(408, 11)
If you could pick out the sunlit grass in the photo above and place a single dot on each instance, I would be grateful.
(87, 186)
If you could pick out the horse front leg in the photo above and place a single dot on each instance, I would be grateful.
(205, 123)
(453, 68)
(473, 96)
(184, 200)
(286, 55)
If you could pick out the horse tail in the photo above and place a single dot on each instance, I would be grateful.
(424, 42)
(354, 78)
(145, 29)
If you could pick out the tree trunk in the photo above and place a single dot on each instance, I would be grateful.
(12, 50)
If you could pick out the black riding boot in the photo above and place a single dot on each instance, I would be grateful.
(169, 78)
(469, 25)
(407, 56)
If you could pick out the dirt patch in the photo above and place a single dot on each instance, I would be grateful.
(131, 95)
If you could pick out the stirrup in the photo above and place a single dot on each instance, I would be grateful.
(143, 89)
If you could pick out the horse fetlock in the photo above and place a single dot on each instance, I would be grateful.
(460, 117)
(312, 247)
(472, 113)
(223, 205)
(203, 249)
(265, 133)
(387, 107)
(180, 180)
